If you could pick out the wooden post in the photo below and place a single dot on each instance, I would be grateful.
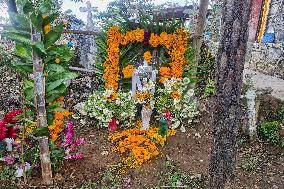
(229, 76)
(198, 33)
(39, 92)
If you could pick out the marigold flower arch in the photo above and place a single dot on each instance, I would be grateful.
(175, 43)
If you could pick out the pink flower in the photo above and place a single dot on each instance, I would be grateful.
(112, 126)
(9, 160)
(69, 133)
(168, 117)
(79, 141)
(75, 156)
(3, 130)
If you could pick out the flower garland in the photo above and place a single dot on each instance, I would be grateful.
(175, 43)
(263, 20)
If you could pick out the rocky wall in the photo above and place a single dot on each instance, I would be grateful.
(275, 20)
(267, 58)
(9, 89)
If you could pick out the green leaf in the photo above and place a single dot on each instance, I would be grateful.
(41, 131)
(55, 68)
(54, 84)
(39, 48)
(21, 20)
(49, 19)
(61, 51)
(45, 7)
(36, 20)
(56, 93)
(18, 38)
(23, 68)
(67, 75)
(23, 52)
(53, 36)
(28, 7)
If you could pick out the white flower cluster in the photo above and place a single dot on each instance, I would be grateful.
(183, 109)
(123, 108)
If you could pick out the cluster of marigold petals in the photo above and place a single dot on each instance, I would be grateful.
(46, 28)
(138, 146)
(58, 120)
(142, 95)
(148, 57)
(128, 71)
(176, 95)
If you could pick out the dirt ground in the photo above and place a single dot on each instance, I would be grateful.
(259, 165)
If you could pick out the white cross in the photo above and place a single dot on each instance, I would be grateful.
(89, 9)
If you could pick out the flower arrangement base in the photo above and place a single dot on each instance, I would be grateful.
(146, 116)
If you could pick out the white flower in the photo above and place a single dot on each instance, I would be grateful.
(186, 81)
(190, 92)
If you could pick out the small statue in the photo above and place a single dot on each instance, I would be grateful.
(143, 81)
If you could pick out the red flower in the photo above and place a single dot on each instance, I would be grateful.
(11, 133)
(168, 116)
(9, 117)
(112, 126)
(3, 130)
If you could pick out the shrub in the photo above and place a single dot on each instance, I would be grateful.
(270, 131)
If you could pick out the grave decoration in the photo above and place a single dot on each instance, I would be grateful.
(158, 101)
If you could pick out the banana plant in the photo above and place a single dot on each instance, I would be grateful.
(55, 57)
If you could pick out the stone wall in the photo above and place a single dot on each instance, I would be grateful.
(267, 58)
(9, 89)
(275, 20)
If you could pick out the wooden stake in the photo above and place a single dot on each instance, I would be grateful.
(39, 91)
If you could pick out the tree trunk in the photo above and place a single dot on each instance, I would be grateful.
(39, 91)
(230, 66)
(199, 30)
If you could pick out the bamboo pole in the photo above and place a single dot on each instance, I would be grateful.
(39, 92)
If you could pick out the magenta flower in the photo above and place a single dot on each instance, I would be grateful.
(69, 133)
(75, 156)
(9, 160)
(79, 141)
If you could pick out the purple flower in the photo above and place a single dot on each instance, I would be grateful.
(9, 160)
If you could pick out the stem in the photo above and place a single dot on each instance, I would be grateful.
(23, 130)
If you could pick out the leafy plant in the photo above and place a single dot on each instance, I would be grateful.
(210, 88)
(280, 115)
(42, 17)
(57, 156)
(89, 185)
(206, 68)
(270, 131)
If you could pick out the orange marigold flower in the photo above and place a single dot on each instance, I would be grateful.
(176, 95)
(147, 56)
(154, 40)
(47, 29)
(128, 71)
